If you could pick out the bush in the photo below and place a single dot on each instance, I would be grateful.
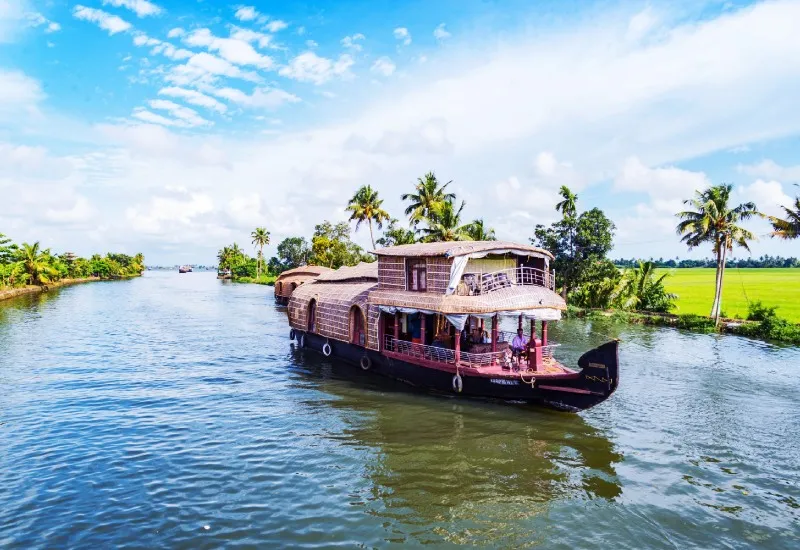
(756, 311)
(696, 323)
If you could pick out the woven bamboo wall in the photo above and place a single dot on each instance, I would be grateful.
(373, 320)
(438, 274)
(334, 301)
(392, 272)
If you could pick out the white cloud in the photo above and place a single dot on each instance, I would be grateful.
(206, 68)
(269, 98)
(177, 32)
(352, 42)
(141, 8)
(384, 66)
(276, 25)
(194, 97)
(176, 205)
(664, 184)
(141, 39)
(769, 196)
(148, 116)
(402, 34)
(234, 50)
(771, 170)
(171, 51)
(18, 90)
(309, 67)
(641, 24)
(440, 33)
(187, 116)
(248, 35)
(79, 212)
(52, 27)
(311, 44)
(246, 13)
(104, 20)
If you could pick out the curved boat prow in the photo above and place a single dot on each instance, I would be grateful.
(600, 368)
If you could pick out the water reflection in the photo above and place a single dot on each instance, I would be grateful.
(490, 466)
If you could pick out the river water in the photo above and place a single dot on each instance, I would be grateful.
(172, 411)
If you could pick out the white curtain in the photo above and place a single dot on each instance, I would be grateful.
(456, 272)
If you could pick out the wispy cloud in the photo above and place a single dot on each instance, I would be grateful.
(383, 66)
(194, 97)
(102, 19)
(440, 33)
(352, 42)
(141, 8)
(402, 34)
(309, 67)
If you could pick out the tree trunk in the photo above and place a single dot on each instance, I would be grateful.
(718, 251)
(717, 306)
(721, 284)
(258, 263)
(370, 234)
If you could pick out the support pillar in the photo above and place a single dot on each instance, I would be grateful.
(544, 333)
(396, 331)
(458, 346)
(520, 322)
(494, 333)
(422, 328)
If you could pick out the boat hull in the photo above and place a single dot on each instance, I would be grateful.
(595, 383)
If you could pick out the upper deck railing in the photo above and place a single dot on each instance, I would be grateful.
(445, 355)
(474, 284)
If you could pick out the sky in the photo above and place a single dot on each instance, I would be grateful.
(174, 128)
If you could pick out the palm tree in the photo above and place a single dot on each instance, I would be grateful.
(712, 221)
(365, 206)
(446, 225)
(640, 289)
(260, 238)
(568, 206)
(427, 199)
(396, 235)
(789, 227)
(479, 232)
(35, 263)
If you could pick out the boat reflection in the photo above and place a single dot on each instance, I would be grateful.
(440, 463)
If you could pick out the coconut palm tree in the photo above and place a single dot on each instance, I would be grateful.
(712, 220)
(479, 232)
(260, 238)
(568, 207)
(35, 262)
(365, 206)
(396, 235)
(788, 227)
(446, 225)
(427, 199)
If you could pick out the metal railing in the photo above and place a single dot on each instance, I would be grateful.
(484, 283)
(443, 355)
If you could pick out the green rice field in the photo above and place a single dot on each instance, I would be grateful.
(773, 286)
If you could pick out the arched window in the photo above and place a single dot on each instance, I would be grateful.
(312, 316)
(358, 333)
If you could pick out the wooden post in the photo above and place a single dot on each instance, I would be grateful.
(396, 331)
(494, 333)
(520, 322)
(544, 333)
(458, 345)
(422, 328)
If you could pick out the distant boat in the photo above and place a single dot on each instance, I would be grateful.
(224, 274)
(185, 269)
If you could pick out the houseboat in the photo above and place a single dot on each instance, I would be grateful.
(430, 315)
(223, 273)
(185, 269)
(290, 279)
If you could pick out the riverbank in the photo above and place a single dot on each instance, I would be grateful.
(268, 280)
(771, 327)
(8, 293)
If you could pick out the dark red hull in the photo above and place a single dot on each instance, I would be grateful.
(593, 384)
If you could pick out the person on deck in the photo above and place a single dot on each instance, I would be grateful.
(519, 345)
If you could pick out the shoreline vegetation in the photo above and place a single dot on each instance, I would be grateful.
(29, 269)
(634, 290)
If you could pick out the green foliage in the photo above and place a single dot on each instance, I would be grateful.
(757, 311)
(577, 244)
(601, 280)
(396, 235)
(769, 326)
(477, 231)
(642, 290)
(292, 252)
(8, 250)
(365, 206)
(428, 199)
(788, 227)
(260, 238)
(445, 224)
(331, 246)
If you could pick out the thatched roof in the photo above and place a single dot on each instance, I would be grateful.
(361, 272)
(458, 248)
(507, 299)
(312, 270)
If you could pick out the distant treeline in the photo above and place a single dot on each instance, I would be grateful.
(763, 261)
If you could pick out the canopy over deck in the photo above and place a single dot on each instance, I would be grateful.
(475, 249)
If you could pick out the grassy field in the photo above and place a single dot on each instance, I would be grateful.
(774, 287)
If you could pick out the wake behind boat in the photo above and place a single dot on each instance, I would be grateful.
(429, 315)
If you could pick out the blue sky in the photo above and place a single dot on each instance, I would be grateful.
(173, 128)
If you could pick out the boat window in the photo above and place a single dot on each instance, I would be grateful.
(416, 275)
